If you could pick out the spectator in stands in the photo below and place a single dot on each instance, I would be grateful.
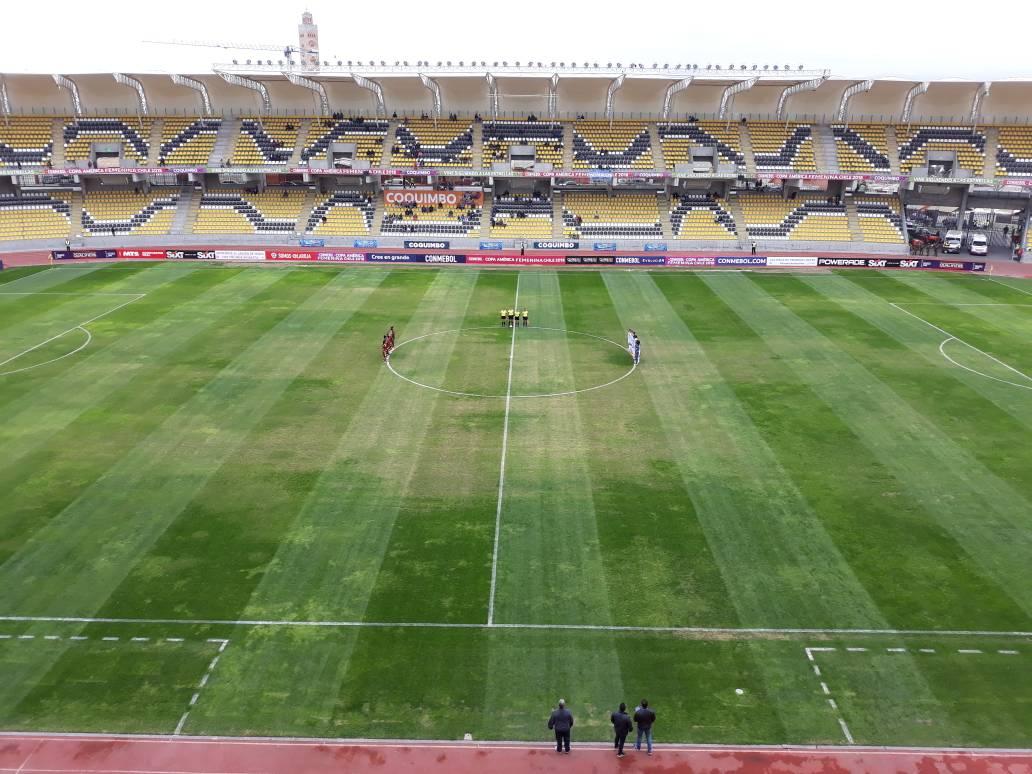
(561, 722)
(644, 716)
(622, 726)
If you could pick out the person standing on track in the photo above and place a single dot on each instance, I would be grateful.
(561, 721)
(622, 726)
(644, 717)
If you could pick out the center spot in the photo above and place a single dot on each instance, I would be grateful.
(547, 362)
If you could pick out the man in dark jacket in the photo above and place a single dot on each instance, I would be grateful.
(622, 726)
(644, 717)
(561, 721)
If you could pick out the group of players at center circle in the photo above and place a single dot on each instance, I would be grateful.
(511, 317)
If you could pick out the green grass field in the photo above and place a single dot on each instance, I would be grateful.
(223, 444)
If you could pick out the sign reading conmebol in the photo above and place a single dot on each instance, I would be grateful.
(425, 197)
(689, 260)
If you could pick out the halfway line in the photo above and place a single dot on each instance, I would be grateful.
(501, 467)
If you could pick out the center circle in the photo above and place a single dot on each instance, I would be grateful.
(547, 362)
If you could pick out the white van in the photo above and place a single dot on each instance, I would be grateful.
(952, 242)
(979, 245)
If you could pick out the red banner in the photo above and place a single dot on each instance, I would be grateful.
(687, 260)
(426, 197)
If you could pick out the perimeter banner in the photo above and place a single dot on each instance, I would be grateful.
(517, 260)
(239, 255)
(415, 258)
(73, 255)
(792, 260)
(741, 260)
(154, 255)
(689, 260)
(640, 260)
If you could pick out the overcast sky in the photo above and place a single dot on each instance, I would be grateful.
(873, 38)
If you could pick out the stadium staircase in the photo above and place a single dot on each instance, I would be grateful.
(734, 206)
(557, 210)
(855, 232)
(301, 225)
(388, 143)
(567, 150)
(377, 214)
(663, 202)
(224, 140)
(485, 219)
(824, 149)
(304, 126)
(186, 212)
(155, 143)
(992, 143)
(478, 154)
(75, 216)
(747, 152)
(658, 159)
(892, 146)
(57, 138)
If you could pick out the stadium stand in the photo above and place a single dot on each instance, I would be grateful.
(265, 141)
(546, 137)
(428, 143)
(367, 135)
(431, 220)
(187, 141)
(624, 215)
(133, 135)
(521, 217)
(806, 217)
(915, 142)
(25, 142)
(879, 217)
(234, 210)
(861, 147)
(127, 212)
(343, 213)
(34, 216)
(679, 138)
(1014, 151)
(782, 146)
(620, 145)
(700, 216)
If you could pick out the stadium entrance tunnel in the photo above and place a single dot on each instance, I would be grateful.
(545, 362)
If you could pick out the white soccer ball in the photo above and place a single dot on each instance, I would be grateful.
(739, 691)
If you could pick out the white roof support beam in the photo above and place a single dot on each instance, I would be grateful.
(137, 86)
(314, 86)
(848, 94)
(200, 88)
(911, 98)
(614, 86)
(73, 90)
(256, 86)
(727, 99)
(976, 103)
(492, 94)
(553, 96)
(672, 90)
(374, 88)
(798, 88)
(435, 91)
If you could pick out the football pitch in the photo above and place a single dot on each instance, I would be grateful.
(805, 516)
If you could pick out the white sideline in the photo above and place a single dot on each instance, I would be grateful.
(677, 630)
(80, 326)
(1008, 285)
(501, 467)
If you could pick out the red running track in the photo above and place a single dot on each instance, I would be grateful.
(99, 754)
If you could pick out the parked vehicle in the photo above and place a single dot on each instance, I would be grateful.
(979, 245)
(953, 241)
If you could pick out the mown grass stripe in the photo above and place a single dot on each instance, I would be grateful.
(986, 515)
(756, 521)
(874, 523)
(658, 565)
(329, 563)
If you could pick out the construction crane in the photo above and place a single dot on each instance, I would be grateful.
(287, 51)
